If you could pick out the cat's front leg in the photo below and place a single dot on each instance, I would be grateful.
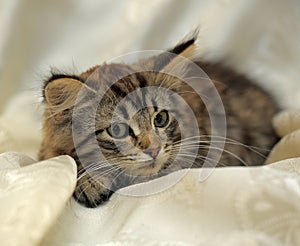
(90, 192)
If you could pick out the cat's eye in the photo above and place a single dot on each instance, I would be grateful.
(119, 130)
(161, 119)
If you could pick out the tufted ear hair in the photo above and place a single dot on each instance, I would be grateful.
(187, 48)
(60, 89)
(60, 94)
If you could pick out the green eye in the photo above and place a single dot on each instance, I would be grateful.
(119, 130)
(161, 119)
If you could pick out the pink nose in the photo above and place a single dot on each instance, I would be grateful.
(152, 152)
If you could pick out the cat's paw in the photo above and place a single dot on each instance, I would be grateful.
(91, 193)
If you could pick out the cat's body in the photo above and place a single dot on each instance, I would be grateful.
(145, 138)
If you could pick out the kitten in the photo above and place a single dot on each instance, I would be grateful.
(141, 126)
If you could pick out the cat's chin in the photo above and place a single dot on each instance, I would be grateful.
(148, 169)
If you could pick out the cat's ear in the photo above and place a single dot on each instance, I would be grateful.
(60, 94)
(60, 89)
(187, 48)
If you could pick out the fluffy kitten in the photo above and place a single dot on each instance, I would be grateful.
(151, 133)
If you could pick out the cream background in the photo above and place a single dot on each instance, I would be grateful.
(235, 206)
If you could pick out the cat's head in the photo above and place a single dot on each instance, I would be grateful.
(128, 112)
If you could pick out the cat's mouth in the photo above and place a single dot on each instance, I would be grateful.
(144, 164)
(147, 168)
(152, 167)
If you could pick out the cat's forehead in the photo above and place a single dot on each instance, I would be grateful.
(139, 102)
(142, 120)
(138, 120)
(129, 94)
(119, 76)
(129, 107)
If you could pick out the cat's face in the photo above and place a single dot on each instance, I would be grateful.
(137, 128)
(139, 131)
(137, 134)
(142, 145)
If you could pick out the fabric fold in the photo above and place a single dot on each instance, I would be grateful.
(32, 195)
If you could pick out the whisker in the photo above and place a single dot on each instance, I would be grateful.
(222, 150)
(202, 158)
(238, 142)
(226, 141)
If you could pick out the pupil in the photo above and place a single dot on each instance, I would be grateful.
(116, 130)
(158, 118)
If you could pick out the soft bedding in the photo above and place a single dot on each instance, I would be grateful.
(233, 206)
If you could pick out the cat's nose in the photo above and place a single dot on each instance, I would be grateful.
(152, 152)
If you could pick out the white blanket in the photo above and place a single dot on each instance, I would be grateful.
(234, 206)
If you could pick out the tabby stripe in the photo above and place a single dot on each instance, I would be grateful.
(133, 103)
(144, 92)
(85, 141)
(88, 157)
(171, 128)
(108, 145)
(89, 137)
(140, 103)
(131, 133)
(122, 89)
(99, 131)
(136, 101)
(142, 84)
(118, 90)
(124, 112)
(141, 79)
(154, 104)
